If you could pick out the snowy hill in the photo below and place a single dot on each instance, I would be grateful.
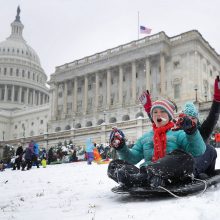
(77, 191)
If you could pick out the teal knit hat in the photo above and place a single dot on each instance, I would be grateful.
(190, 110)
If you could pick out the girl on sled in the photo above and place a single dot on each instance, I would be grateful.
(168, 155)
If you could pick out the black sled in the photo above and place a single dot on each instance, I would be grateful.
(196, 186)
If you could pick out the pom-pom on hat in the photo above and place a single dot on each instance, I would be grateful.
(190, 110)
(164, 104)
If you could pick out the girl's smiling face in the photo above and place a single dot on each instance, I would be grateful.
(160, 117)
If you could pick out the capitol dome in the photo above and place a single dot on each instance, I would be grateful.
(23, 80)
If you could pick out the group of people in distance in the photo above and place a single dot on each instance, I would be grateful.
(26, 158)
(173, 150)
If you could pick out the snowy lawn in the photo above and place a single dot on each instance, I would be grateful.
(78, 191)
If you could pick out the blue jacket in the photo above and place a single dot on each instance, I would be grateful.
(144, 147)
(36, 148)
(89, 145)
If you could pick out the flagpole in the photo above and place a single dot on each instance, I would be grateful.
(138, 25)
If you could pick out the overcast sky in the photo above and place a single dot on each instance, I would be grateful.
(62, 31)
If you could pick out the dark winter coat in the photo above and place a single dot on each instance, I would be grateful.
(206, 128)
(28, 154)
(19, 151)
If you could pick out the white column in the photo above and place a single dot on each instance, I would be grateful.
(38, 98)
(147, 72)
(96, 90)
(55, 100)
(0, 93)
(13, 93)
(75, 91)
(85, 104)
(65, 98)
(19, 94)
(6, 93)
(34, 101)
(162, 74)
(133, 82)
(108, 88)
(27, 95)
(120, 85)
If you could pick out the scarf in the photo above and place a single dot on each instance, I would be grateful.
(160, 140)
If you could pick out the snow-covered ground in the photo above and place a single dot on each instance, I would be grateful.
(79, 191)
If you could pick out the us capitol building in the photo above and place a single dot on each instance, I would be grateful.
(87, 97)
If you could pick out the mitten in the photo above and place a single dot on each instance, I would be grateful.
(116, 139)
(217, 89)
(186, 124)
(145, 100)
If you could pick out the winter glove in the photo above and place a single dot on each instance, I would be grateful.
(217, 89)
(116, 139)
(186, 124)
(145, 100)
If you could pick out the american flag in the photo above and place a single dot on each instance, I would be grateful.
(145, 30)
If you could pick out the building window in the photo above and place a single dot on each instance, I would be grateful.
(29, 75)
(124, 78)
(176, 64)
(22, 73)
(89, 87)
(17, 72)
(5, 71)
(16, 126)
(68, 92)
(176, 91)
(204, 67)
(210, 72)
(41, 121)
(79, 89)
(11, 71)
(100, 84)
(60, 94)
(32, 123)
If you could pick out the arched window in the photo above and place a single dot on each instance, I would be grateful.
(100, 121)
(112, 120)
(125, 118)
(88, 124)
(67, 127)
(139, 115)
(57, 129)
(78, 125)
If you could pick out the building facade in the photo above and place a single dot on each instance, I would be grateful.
(105, 87)
(89, 96)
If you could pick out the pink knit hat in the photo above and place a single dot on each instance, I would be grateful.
(164, 104)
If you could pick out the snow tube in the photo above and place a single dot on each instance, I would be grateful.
(44, 163)
(97, 156)
(196, 186)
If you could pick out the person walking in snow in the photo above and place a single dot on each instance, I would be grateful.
(89, 151)
(18, 160)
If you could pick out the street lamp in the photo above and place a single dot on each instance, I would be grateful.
(104, 113)
(74, 123)
(196, 89)
(23, 130)
(3, 135)
(206, 95)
